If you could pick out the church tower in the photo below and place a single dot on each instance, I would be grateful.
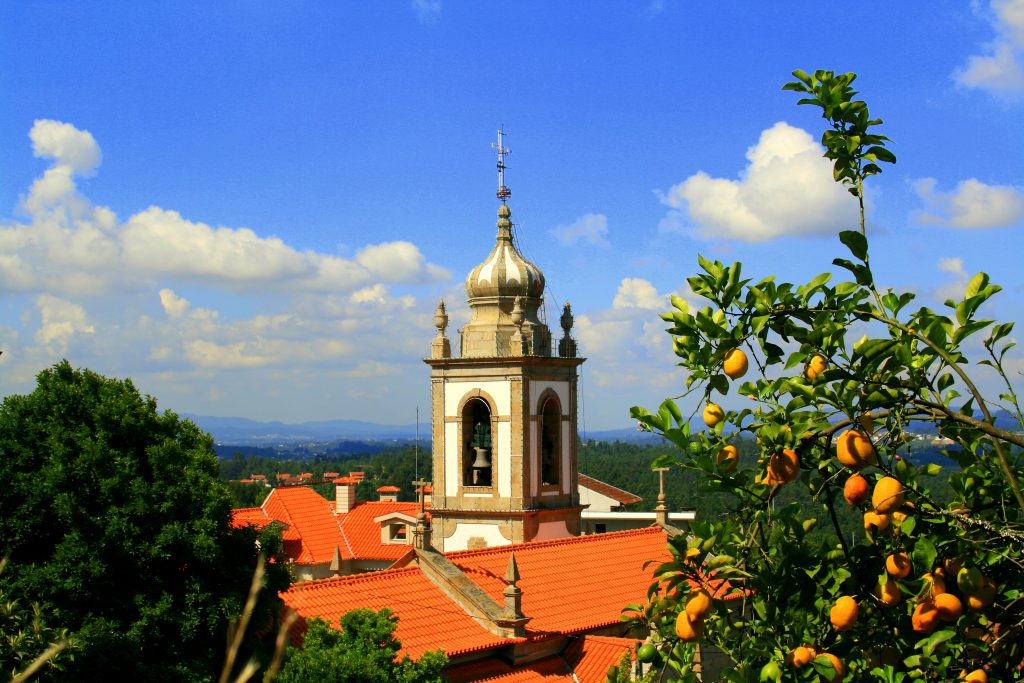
(503, 409)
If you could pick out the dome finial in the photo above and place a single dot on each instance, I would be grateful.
(503, 192)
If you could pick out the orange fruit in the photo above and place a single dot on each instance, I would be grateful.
(949, 606)
(856, 489)
(837, 665)
(976, 676)
(728, 457)
(698, 605)
(687, 629)
(713, 414)
(815, 366)
(873, 519)
(843, 614)
(801, 656)
(855, 450)
(937, 579)
(985, 596)
(735, 363)
(925, 617)
(783, 468)
(888, 495)
(898, 565)
(888, 593)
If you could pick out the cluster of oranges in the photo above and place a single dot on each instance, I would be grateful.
(690, 622)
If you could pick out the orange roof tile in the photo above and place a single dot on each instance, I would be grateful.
(362, 533)
(601, 573)
(613, 492)
(388, 489)
(569, 586)
(586, 659)
(428, 620)
(256, 517)
(331, 475)
(312, 527)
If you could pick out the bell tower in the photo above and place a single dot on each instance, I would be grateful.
(504, 409)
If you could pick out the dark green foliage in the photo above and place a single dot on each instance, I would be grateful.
(364, 651)
(25, 636)
(115, 522)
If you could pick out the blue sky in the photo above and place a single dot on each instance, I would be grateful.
(252, 208)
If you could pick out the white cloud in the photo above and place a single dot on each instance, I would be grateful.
(71, 148)
(972, 204)
(636, 292)
(60, 321)
(1001, 69)
(786, 189)
(591, 228)
(72, 247)
(953, 289)
(174, 306)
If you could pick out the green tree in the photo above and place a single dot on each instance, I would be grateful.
(930, 588)
(115, 522)
(363, 651)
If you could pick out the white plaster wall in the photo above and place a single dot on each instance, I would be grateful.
(466, 530)
(598, 501)
(456, 391)
(561, 389)
(451, 459)
(550, 530)
(504, 464)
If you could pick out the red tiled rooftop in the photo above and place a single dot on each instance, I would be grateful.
(331, 475)
(256, 517)
(363, 534)
(313, 528)
(585, 660)
(343, 480)
(428, 620)
(615, 493)
(388, 489)
(602, 573)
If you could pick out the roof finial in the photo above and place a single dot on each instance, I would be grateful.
(503, 192)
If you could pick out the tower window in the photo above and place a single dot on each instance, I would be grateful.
(550, 442)
(477, 450)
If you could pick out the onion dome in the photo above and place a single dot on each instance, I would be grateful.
(505, 272)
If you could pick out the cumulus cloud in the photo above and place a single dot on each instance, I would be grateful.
(591, 228)
(636, 292)
(70, 246)
(786, 189)
(174, 306)
(1000, 69)
(60, 321)
(973, 204)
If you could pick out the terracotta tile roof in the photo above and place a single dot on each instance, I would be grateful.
(617, 494)
(428, 620)
(599, 573)
(313, 531)
(363, 534)
(388, 489)
(569, 586)
(250, 516)
(587, 658)
(331, 475)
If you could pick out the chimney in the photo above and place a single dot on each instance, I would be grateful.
(344, 495)
(388, 494)
(428, 494)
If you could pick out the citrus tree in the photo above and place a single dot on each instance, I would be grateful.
(838, 375)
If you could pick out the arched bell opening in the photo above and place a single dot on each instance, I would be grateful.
(477, 448)
(551, 442)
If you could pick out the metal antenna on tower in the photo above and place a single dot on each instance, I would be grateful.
(503, 192)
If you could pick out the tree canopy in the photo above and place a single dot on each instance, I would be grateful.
(363, 651)
(114, 521)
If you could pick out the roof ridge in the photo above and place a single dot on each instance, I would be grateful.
(363, 577)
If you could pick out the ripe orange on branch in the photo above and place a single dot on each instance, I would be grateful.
(898, 565)
(856, 489)
(815, 367)
(698, 605)
(855, 450)
(844, 613)
(713, 414)
(888, 495)
(728, 457)
(783, 468)
(801, 656)
(688, 629)
(735, 363)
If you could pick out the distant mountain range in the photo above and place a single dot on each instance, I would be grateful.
(243, 431)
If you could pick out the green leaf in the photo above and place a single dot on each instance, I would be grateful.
(976, 284)
(935, 640)
(924, 554)
(855, 242)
